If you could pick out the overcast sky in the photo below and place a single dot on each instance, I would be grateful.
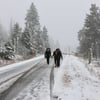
(63, 18)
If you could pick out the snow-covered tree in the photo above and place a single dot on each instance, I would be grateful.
(26, 39)
(16, 36)
(3, 37)
(89, 36)
(85, 43)
(1, 34)
(32, 18)
(39, 43)
(45, 38)
(32, 33)
(9, 51)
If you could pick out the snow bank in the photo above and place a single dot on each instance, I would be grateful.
(11, 70)
(8, 67)
(75, 82)
(6, 85)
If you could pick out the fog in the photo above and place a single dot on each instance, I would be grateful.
(63, 18)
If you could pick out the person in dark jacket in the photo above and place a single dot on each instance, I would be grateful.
(57, 56)
(48, 55)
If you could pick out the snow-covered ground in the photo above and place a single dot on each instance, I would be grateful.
(7, 84)
(12, 70)
(36, 90)
(74, 80)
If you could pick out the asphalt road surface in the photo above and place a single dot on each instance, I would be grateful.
(34, 73)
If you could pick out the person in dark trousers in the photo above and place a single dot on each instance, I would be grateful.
(57, 56)
(48, 55)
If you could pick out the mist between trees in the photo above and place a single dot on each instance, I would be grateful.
(30, 41)
(33, 39)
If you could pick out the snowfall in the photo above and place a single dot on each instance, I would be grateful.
(75, 79)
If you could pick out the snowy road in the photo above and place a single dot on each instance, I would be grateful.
(74, 80)
(34, 76)
(10, 71)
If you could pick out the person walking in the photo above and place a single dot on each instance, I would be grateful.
(57, 56)
(48, 55)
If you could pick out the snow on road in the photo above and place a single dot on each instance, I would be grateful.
(37, 90)
(73, 81)
(12, 69)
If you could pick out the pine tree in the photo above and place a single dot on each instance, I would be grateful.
(32, 18)
(39, 43)
(16, 36)
(85, 44)
(45, 37)
(32, 31)
(26, 39)
(3, 38)
(89, 36)
(3, 34)
(9, 51)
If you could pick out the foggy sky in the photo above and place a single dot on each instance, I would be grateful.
(63, 18)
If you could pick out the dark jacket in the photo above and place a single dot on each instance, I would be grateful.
(57, 54)
(47, 53)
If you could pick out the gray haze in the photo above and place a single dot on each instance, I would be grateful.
(63, 18)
